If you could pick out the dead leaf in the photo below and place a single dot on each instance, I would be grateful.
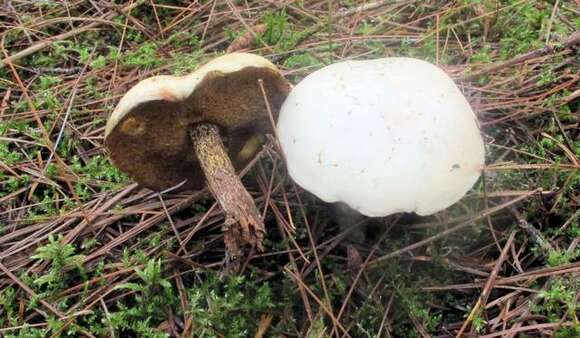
(245, 41)
(263, 326)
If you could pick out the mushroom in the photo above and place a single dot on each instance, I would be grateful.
(383, 136)
(199, 128)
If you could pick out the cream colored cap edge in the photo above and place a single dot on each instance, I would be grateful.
(177, 88)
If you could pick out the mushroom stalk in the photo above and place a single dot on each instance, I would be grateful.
(243, 224)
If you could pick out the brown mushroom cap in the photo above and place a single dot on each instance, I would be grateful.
(148, 133)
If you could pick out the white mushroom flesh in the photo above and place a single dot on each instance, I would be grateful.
(383, 136)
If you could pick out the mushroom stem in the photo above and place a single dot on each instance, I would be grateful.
(243, 224)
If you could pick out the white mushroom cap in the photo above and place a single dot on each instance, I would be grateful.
(383, 136)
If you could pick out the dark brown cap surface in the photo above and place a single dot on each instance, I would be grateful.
(148, 134)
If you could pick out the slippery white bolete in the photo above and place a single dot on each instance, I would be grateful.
(169, 130)
(383, 136)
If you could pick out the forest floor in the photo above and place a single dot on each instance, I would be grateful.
(85, 252)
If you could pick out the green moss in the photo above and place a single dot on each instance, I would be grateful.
(280, 33)
(301, 60)
(559, 299)
(143, 57)
(561, 257)
(60, 256)
(230, 307)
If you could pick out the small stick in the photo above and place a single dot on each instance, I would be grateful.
(48, 42)
(488, 285)
(481, 215)
(572, 40)
(30, 292)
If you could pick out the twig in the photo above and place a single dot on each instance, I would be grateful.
(572, 41)
(488, 285)
(483, 214)
(50, 41)
(322, 305)
(68, 110)
(30, 292)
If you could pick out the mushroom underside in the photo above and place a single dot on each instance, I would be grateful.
(152, 142)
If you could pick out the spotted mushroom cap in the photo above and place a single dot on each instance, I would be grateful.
(383, 136)
(147, 135)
